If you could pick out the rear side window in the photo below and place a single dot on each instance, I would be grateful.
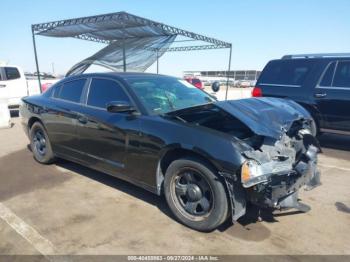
(12, 73)
(286, 72)
(328, 76)
(71, 91)
(56, 92)
(103, 91)
(342, 75)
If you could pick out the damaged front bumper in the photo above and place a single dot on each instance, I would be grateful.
(281, 190)
(294, 159)
(272, 175)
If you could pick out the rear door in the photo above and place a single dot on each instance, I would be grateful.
(62, 117)
(332, 96)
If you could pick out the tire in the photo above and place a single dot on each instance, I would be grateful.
(195, 195)
(40, 144)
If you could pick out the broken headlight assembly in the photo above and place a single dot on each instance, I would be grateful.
(252, 173)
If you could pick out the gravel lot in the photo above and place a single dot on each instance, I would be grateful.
(68, 209)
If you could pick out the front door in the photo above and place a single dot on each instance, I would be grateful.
(106, 137)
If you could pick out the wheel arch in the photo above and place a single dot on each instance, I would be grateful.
(234, 192)
(32, 120)
(171, 154)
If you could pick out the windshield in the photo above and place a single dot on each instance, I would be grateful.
(165, 94)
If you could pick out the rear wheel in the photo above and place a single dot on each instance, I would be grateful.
(40, 144)
(195, 195)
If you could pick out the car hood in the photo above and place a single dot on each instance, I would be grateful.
(265, 116)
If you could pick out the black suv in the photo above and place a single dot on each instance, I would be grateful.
(318, 82)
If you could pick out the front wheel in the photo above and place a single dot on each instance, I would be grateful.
(195, 195)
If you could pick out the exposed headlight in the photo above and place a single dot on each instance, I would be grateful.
(252, 173)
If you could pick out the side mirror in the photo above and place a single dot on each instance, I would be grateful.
(120, 107)
(215, 86)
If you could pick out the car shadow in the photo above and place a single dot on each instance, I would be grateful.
(118, 184)
(252, 216)
(250, 222)
(249, 227)
(342, 207)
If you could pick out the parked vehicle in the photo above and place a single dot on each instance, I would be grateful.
(14, 85)
(242, 83)
(318, 82)
(209, 158)
(195, 81)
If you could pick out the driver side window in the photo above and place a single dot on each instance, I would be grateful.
(103, 91)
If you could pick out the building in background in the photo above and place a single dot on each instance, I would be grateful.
(237, 78)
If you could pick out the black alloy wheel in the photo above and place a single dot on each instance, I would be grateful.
(195, 194)
(40, 144)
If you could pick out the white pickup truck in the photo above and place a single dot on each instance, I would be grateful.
(14, 85)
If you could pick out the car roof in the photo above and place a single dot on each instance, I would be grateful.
(118, 75)
(313, 58)
(7, 65)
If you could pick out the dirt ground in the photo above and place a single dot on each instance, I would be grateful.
(68, 209)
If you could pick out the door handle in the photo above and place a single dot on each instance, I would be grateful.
(320, 95)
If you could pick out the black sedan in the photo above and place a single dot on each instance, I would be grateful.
(161, 133)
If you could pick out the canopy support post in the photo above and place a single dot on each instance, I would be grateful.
(228, 72)
(157, 62)
(124, 53)
(36, 60)
(124, 56)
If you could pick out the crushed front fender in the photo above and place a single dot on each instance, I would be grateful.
(237, 195)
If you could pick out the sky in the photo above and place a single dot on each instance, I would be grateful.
(259, 30)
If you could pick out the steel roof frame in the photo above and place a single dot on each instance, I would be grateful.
(122, 17)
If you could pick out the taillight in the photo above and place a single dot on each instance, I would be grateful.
(198, 85)
(257, 92)
(45, 86)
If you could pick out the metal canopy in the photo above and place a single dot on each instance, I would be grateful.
(129, 38)
(119, 23)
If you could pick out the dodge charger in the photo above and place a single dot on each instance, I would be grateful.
(209, 158)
